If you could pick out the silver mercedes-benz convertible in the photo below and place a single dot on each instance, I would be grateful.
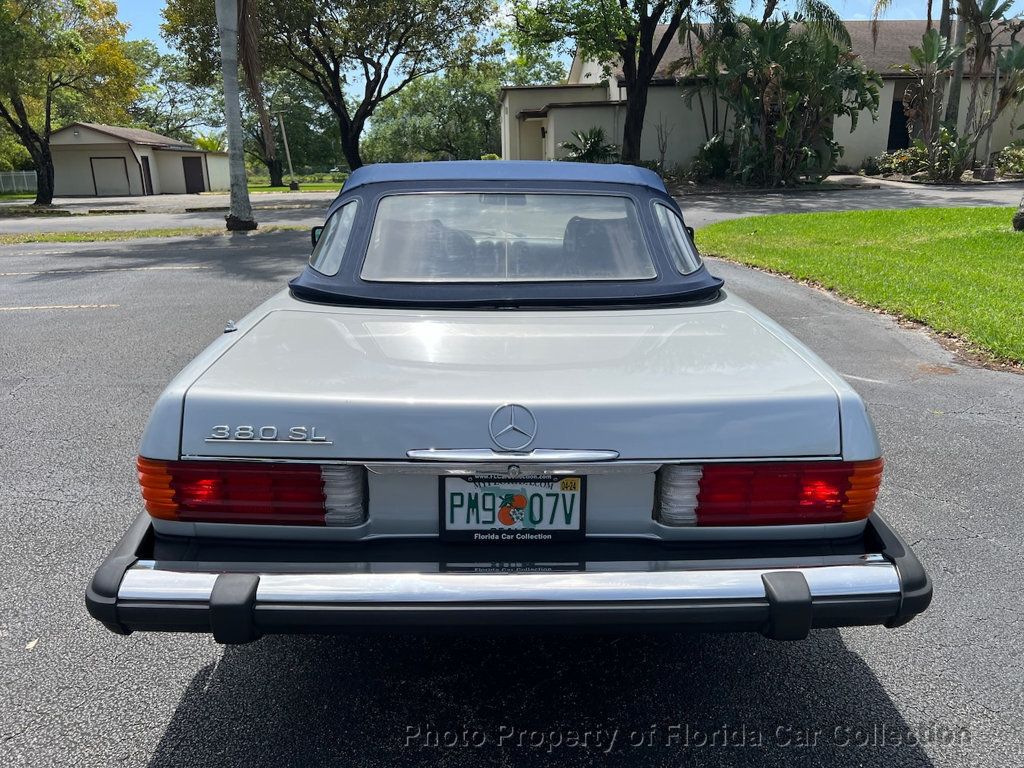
(507, 395)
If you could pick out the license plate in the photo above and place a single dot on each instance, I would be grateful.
(522, 510)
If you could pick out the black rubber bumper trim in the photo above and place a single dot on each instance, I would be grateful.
(101, 594)
(789, 598)
(231, 607)
(915, 584)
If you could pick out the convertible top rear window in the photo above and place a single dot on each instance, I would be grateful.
(502, 237)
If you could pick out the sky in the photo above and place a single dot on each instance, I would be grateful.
(144, 15)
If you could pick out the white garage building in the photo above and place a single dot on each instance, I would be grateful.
(93, 160)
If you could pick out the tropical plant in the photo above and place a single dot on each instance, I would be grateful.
(981, 19)
(589, 146)
(240, 214)
(930, 63)
(948, 155)
(785, 80)
(210, 141)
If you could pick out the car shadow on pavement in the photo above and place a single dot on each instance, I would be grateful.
(527, 699)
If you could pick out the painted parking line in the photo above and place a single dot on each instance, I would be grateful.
(60, 306)
(862, 378)
(100, 269)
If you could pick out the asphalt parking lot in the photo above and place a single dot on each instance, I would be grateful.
(90, 334)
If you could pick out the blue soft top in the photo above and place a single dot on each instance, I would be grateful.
(504, 170)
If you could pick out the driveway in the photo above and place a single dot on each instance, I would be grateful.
(701, 210)
(91, 334)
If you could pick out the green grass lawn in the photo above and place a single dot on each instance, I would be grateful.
(17, 196)
(959, 270)
(317, 186)
(111, 235)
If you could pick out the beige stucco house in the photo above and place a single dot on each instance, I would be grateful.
(535, 120)
(93, 160)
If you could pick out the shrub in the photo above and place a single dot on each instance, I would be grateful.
(870, 166)
(590, 147)
(950, 154)
(905, 162)
(716, 155)
(1011, 161)
(699, 170)
(490, 156)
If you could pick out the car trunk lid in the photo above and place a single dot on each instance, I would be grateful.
(357, 384)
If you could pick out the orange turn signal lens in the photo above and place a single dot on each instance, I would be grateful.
(155, 479)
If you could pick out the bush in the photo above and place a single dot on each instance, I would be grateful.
(716, 156)
(904, 162)
(1011, 161)
(699, 170)
(870, 166)
(590, 147)
(950, 155)
(490, 156)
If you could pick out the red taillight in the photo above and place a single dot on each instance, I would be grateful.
(243, 492)
(787, 493)
(776, 493)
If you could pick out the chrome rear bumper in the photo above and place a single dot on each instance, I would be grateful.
(781, 596)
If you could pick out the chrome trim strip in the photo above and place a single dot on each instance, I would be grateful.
(486, 454)
(143, 582)
(511, 457)
(873, 576)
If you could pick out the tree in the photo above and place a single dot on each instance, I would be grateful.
(356, 54)
(930, 64)
(169, 103)
(622, 32)
(451, 116)
(310, 126)
(454, 115)
(240, 215)
(13, 156)
(360, 54)
(60, 60)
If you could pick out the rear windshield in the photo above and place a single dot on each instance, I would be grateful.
(498, 237)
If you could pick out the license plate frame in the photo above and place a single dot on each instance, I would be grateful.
(500, 534)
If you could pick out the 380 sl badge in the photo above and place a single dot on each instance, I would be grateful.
(269, 433)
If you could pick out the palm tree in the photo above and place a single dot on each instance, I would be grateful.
(239, 217)
(881, 6)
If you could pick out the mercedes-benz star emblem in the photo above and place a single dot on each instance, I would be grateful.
(512, 427)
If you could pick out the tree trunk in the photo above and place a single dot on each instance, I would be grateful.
(240, 215)
(275, 170)
(957, 80)
(43, 160)
(350, 143)
(632, 130)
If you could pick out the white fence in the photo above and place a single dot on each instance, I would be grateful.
(17, 181)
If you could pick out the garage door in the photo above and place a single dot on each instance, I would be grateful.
(110, 175)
